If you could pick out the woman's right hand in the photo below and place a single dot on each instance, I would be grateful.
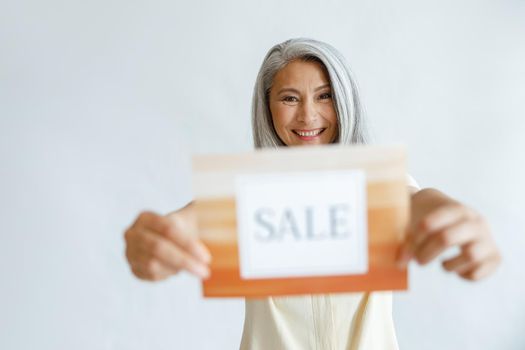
(159, 246)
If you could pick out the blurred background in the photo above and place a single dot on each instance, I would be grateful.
(102, 104)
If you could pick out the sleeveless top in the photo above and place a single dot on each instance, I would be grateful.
(353, 321)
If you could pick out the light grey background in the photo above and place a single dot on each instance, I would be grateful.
(102, 104)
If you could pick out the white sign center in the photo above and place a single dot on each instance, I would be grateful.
(297, 224)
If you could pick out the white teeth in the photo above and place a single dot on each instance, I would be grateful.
(309, 133)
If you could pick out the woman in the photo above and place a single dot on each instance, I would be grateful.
(305, 95)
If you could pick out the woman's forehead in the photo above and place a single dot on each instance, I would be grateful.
(302, 73)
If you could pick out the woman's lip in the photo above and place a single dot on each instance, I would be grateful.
(307, 130)
(307, 138)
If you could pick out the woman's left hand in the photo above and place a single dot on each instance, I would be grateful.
(437, 223)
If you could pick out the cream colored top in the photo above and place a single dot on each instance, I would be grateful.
(353, 321)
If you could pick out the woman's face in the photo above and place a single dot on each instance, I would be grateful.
(301, 104)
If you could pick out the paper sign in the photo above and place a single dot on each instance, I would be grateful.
(319, 216)
(302, 220)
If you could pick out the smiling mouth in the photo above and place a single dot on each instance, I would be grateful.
(309, 133)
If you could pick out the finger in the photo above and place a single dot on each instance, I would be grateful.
(437, 242)
(459, 264)
(133, 253)
(172, 229)
(470, 256)
(404, 254)
(444, 216)
(184, 233)
(171, 256)
(143, 259)
(145, 266)
(481, 271)
(406, 250)
(138, 273)
(152, 270)
(438, 219)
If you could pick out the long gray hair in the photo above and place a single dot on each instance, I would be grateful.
(344, 91)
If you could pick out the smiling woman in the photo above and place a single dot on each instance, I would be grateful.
(305, 95)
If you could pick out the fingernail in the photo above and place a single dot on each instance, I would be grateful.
(204, 254)
(202, 271)
(207, 256)
(403, 258)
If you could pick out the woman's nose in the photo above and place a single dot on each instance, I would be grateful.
(307, 113)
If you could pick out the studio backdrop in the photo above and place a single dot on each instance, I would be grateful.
(103, 103)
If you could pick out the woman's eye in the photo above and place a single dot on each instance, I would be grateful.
(290, 99)
(326, 95)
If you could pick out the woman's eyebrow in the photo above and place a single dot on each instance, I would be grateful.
(285, 89)
(322, 87)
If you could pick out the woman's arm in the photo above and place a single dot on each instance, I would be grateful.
(439, 222)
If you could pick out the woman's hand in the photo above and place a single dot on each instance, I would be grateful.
(160, 246)
(437, 223)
